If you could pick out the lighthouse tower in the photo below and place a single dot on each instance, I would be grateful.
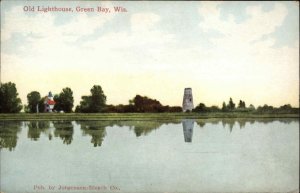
(187, 104)
(49, 103)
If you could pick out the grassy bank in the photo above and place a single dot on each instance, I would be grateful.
(136, 116)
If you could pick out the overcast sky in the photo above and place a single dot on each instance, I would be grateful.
(243, 50)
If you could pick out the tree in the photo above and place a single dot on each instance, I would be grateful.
(84, 106)
(200, 108)
(33, 99)
(287, 108)
(265, 109)
(231, 105)
(145, 104)
(174, 109)
(98, 99)
(9, 101)
(242, 104)
(203, 108)
(42, 104)
(64, 101)
(214, 108)
(57, 106)
(224, 107)
(95, 103)
(251, 107)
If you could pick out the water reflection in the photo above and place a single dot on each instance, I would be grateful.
(251, 151)
(64, 130)
(141, 127)
(188, 126)
(96, 129)
(35, 128)
(9, 134)
(241, 122)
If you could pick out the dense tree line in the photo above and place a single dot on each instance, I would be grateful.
(231, 107)
(96, 103)
(142, 104)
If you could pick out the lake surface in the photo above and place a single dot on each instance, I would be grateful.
(228, 155)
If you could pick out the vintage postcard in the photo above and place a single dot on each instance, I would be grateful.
(149, 96)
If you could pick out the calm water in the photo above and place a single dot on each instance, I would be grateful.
(148, 156)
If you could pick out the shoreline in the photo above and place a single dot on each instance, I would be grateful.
(138, 116)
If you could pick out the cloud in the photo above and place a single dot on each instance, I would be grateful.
(46, 44)
(142, 22)
(22, 23)
(84, 25)
(244, 55)
(42, 25)
(140, 45)
(258, 24)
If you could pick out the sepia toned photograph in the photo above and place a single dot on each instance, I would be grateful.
(149, 97)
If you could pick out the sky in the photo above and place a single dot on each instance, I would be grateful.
(244, 50)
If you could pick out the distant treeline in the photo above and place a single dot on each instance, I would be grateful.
(241, 107)
(96, 103)
(141, 104)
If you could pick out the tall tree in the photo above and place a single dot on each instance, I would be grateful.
(33, 99)
(9, 100)
(231, 105)
(64, 101)
(95, 103)
(224, 107)
(98, 99)
(242, 104)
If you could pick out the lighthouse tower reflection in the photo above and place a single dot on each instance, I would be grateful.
(188, 125)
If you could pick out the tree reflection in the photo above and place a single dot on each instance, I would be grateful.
(188, 126)
(229, 122)
(201, 123)
(96, 129)
(142, 127)
(243, 121)
(8, 134)
(35, 128)
(64, 130)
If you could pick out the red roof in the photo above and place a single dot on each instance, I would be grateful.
(50, 102)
